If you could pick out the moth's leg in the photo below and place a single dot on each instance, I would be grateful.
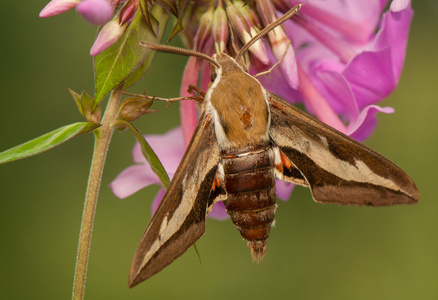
(267, 72)
(170, 100)
(192, 88)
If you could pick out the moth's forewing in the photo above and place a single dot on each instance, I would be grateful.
(337, 168)
(180, 218)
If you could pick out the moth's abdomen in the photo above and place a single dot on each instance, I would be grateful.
(250, 185)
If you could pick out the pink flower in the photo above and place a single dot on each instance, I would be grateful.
(56, 7)
(170, 149)
(97, 12)
(348, 56)
(109, 34)
(114, 29)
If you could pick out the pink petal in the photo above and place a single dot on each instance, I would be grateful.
(97, 12)
(316, 103)
(114, 3)
(128, 12)
(169, 148)
(310, 52)
(274, 82)
(289, 66)
(189, 119)
(133, 179)
(374, 74)
(337, 44)
(259, 50)
(219, 212)
(157, 200)
(188, 108)
(109, 34)
(336, 89)
(394, 34)
(371, 76)
(367, 121)
(398, 5)
(205, 79)
(284, 189)
(56, 7)
(383, 4)
(356, 20)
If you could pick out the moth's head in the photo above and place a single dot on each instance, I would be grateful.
(225, 63)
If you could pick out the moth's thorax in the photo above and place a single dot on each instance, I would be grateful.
(239, 106)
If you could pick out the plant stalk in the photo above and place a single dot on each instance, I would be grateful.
(102, 140)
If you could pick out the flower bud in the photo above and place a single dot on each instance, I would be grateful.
(245, 25)
(168, 5)
(109, 34)
(283, 5)
(56, 7)
(85, 104)
(97, 12)
(133, 108)
(203, 34)
(220, 29)
(280, 43)
(127, 13)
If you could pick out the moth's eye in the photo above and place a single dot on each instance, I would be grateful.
(212, 74)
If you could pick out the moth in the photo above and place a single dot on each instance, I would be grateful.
(247, 137)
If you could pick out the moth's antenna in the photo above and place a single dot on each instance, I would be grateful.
(268, 28)
(177, 50)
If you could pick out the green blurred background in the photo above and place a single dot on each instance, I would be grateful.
(315, 252)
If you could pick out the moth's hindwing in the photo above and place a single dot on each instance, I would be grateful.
(337, 168)
(180, 218)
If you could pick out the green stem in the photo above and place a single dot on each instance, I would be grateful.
(102, 140)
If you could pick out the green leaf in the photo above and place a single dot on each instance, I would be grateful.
(197, 252)
(46, 141)
(141, 70)
(169, 5)
(182, 7)
(149, 154)
(85, 104)
(144, 9)
(114, 65)
(77, 99)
